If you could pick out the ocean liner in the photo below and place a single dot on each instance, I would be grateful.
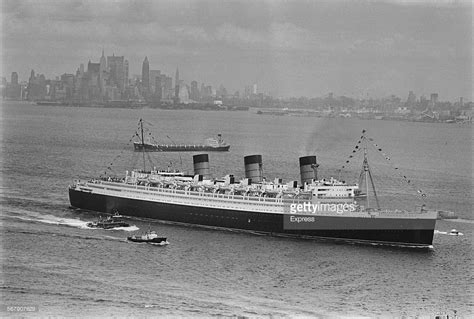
(311, 208)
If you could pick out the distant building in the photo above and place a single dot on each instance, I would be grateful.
(157, 94)
(411, 100)
(194, 94)
(221, 92)
(93, 67)
(112, 93)
(125, 64)
(116, 66)
(103, 74)
(67, 83)
(12, 90)
(206, 92)
(146, 76)
(168, 91)
(36, 89)
(183, 91)
(154, 74)
(248, 91)
(176, 85)
(92, 77)
(14, 78)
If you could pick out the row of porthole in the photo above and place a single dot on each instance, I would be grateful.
(229, 217)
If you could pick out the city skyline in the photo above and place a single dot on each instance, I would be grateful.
(291, 48)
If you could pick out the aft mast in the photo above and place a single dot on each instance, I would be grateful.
(366, 174)
(143, 143)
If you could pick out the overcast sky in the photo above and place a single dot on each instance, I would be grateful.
(289, 48)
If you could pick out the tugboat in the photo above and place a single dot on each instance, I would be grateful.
(109, 222)
(455, 232)
(149, 237)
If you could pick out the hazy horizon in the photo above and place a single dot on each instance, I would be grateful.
(288, 48)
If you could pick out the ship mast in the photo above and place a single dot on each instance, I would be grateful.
(366, 174)
(141, 130)
(143, 144)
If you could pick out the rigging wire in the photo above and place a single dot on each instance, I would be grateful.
(180, 159)
(403, 176)
(110, 167)
(379, 151)
(352, 155)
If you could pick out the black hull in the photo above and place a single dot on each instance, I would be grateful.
(273, 224)
(138, 147)
(151, 241)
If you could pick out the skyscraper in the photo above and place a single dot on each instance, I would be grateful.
(168, 88)
(93, 67)
(126, 73)
(116, 68)
(146, 76)
(176, 85)
(411, 100)
(157, 93)
(36, 87)
(14, 79)
(13, 89)
(153, 75)
(103, 63)
(93, 80)
(194, 91)
(102, 73)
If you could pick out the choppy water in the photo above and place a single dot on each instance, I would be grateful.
(52, 260)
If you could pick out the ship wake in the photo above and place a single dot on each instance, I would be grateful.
(451, 233)
(460, 220)
(31, 216)
(129, 228)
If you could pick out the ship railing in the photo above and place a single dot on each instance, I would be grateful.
(152, 190)
(161, 188)
(113, 186)
(234, 201)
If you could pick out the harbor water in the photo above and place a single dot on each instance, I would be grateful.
(51, 261)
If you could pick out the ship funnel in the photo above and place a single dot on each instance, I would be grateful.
(201, 165)
(253, 168)
(308, 169)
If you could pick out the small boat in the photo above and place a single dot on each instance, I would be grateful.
(109, 222)
(149, 237)
(455, 232)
